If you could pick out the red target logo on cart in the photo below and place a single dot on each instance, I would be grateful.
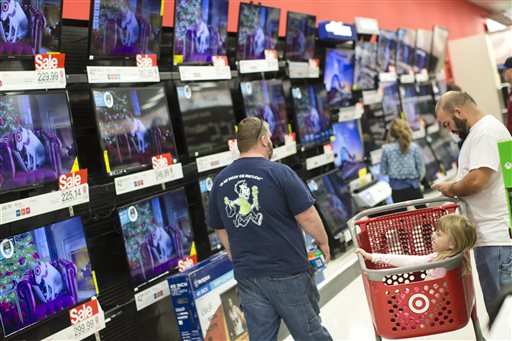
(418, 303)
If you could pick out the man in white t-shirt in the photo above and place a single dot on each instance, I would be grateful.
(480, 183)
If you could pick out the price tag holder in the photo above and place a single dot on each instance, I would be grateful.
(387, 77)
(214, 161)
(372, 97)
(320, 160)
(351, 113)
(422, 77)
(145, 71)
(314, 68)
(233, 148)
(270, 63)
(85, 319)
(152, 177)
(433, 128)
(151, 295)
(298, 69)
(289, 148)
(418, 134)
(407, 79)
(219, 70)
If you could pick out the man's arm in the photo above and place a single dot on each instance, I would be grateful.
(474, 182)
(311, 223)
(223, 237)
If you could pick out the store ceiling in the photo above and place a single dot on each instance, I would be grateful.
(500, 10)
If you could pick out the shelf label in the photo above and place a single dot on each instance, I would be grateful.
(161, 161)
(407, 79)
(372, 97)
(203, 73)
(350, 113)
(122, 74)
(209, 162)
(298, 69)
(146, 60)
(284, 151)
(270, 63)
(320, 160)
(387, 77)
(422, 77)
(152, 177)
(152, 295)
(314, 68)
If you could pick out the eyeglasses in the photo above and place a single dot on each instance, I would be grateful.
(259, 130)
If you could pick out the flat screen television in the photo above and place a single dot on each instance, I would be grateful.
(134, 125)
(365, 71)
(207, 115)
(30, 27)
(265, 99)
(339, 77)
(157, 233)
(124, 28)
(425, 103)
(405, 51)
(36, 139)
(410, 105)
(445, 148)
(44, 271)
(431, 166)
(348, 148)
(390, 101)
(200, 30)
(333, 200)
(300, 37)
(422, 51)
(439, 46)
(205, 186)
(258, 27)
(374, 128)
(312, 114)
(386, 51)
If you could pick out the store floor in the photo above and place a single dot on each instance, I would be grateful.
(347, 316)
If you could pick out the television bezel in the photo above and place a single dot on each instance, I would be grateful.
(306, 16)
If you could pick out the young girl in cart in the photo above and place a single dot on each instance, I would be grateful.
(454, 234)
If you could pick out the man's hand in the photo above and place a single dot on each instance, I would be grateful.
(445, 188)
(325, 250)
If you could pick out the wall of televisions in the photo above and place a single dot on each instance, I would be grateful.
(153, 131)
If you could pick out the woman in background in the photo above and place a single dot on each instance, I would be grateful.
(403, 162)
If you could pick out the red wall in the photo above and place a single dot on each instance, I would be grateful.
(459, 16)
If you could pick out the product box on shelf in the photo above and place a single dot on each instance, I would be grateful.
(198, 295)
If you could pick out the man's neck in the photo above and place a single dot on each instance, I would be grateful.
(475, 118)
(252, 153)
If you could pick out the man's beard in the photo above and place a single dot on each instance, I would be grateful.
(462, 127)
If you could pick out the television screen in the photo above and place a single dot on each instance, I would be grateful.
(30, 27)
(373, 126)
(36, 139)
(390, 101)
(439, 46)
(258, 27)
(235, 319)
(300, 36)
(425, 103)
(339, 77)
(134, 125)
(157, 233)
(410, 106)
(431, 167)
(348, 148)
(265, 99)
(205, 186)
(365, 73)
(386, 51)
(124, 28)
(200, 30)
(208, 116)
(405, 51)
(312, 113)
(422, 51)
(445, 148)
(333, 200)
(44, 271)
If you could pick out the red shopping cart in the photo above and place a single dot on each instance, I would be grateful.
(401, 301)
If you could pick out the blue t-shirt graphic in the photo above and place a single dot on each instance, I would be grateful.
(256, 201)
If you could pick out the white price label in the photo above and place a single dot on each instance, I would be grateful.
(407, 79)
(203, 73)
(49, 76)
(214, 161)
(284, 151)
(152, 177)
(122, 74)
(258, 65)
(75, 195)
(320, 160)
(152, 295)
(298, 69)
(387, 77)
(31, 80)
(163, 174)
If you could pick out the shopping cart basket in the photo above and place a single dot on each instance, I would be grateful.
(401, 301)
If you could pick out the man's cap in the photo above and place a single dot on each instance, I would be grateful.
(508, 63)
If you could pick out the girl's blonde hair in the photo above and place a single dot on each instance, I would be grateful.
(462, 234)
(401, 132)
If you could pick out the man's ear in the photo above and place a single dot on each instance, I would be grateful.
(458, 113)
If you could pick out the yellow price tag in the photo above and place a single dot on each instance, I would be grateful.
(362, 176)
(95, 282)
(107, 162)
(162, 9)
(332, 138)
(76, 166)
(178, 59)
(193, 249)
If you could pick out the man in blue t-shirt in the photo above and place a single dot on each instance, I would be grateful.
(258, 208)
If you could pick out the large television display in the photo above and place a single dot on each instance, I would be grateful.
(124, 28)
(348, 148)
(300, 36)
(36, 139)
(333, 200)
(200, 30)
(265, 99)
(205, 186)
(312, 114)
(405, 51)
(410, 105)
(157, 233)
(431, 166)
(439, 46)
(43, 272)
(390, 100)
(386, 51)
(422, 51)
(134, 125)
(258, 27)
(30, 27)
(339, 77)
(425, 103)
(365, 71)
(207, 115)
(445, 148)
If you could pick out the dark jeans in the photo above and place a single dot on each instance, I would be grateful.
(294, 298)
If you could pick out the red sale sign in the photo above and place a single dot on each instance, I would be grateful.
(161, 161)
(49, 61)
(84, 311)
(146, 60)
(270, 54)
(187, 263)
(220, 60)
(69, 180)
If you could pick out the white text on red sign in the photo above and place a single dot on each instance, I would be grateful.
(48, 61)
(69, 180)
(83, 311)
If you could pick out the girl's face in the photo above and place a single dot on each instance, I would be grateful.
(441, 241)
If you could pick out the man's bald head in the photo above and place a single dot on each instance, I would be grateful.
(454, 99)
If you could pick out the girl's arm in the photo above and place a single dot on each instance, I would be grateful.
(394, 260)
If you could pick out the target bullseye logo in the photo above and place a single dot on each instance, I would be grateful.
(419, 303)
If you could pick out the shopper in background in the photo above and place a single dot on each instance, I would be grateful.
(403, 162)
(479, 182)
(507, 74)
(454, 234)
(258, 208)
